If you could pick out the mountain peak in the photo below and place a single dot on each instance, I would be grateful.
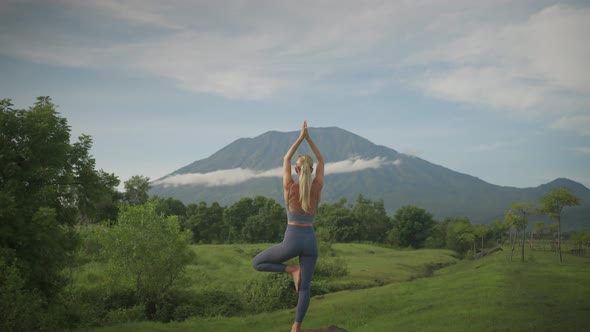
(266, 151)
(565, 182)
(354, 165)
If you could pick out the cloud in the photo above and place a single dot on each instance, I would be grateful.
(257, 50)
(356, 164)
(235, 176)
(534, 67)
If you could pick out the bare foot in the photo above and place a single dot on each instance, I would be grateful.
(296, 327)
(296, 273)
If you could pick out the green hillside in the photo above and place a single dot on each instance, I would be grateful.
(490, 294)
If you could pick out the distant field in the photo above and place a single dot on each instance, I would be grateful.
(491, 294)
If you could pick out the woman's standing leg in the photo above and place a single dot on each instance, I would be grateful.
(307, 262)
(307, 266)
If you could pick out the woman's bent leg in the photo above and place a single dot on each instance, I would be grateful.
(271, 260)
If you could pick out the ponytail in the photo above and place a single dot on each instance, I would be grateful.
(305, 164)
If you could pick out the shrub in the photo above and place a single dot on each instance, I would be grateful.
(150, 252)
(330, 267)
(269, 292)
(20, 308)
(125, 315)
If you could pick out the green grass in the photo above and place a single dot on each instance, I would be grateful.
(228, 267)
(490, 294)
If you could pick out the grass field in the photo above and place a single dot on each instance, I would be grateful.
(490, 294)
(228, 267)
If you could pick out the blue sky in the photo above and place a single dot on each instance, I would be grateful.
(496, 89)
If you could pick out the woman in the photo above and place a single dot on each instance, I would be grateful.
(302, 201)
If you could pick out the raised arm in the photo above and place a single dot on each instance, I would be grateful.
(319, 170)
(287, 175)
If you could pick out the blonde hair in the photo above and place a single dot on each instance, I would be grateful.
(305, 164)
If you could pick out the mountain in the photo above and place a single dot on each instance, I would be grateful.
(251, 166)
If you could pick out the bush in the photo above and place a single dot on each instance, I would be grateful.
(125, 315)
(330, 267)
(20, 308)
(269, 292)
(89, 307)
(90, 243)
(149, 252)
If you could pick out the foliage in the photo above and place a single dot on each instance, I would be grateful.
(136, 190)
(206, 222)
(412, 225)
(517, 217)
(498, 230)
(19, 307)
(366, 220)
(257, 219)
(581, 239)
(268, 292)
(47, 185)
(147, 250)
(553, 203)
(459, 235)
(336, 220)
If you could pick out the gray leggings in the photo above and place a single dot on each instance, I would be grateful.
(298, 241)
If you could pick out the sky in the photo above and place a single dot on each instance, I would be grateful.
(495, 89)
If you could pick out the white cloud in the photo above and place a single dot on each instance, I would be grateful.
(235, 176)
(356, 164)
(255, 50)
(226, 177)
(535, 67)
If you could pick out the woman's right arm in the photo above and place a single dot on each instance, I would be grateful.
(319, 170)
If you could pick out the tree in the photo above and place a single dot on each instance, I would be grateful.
(47, 184)
(412, 225)
(371, 220)
(539, 228)
(459, 234)
(337, 221)
(148, 249)
(499, 229)
(268, 225)
(519, 219)
(257, 219)
(481, 231)
(552, 204)
(44, 183)
(136, 190)
(206, 222)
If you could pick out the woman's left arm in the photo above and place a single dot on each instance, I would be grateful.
(287, 176)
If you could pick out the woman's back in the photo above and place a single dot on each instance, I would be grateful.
(293, 201)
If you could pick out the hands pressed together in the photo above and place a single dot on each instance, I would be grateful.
(304, 134)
